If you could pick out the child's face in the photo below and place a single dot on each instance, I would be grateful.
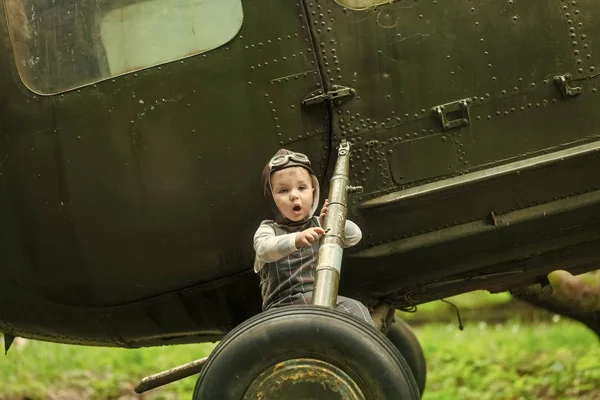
(293, 192)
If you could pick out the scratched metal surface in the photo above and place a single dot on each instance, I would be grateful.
(128, 206)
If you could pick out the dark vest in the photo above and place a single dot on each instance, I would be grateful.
(284, 281)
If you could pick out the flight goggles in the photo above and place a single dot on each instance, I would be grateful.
(283, 159)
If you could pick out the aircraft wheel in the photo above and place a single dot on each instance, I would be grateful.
(403, 337)
(305, 352)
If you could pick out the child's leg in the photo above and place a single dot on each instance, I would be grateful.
(355, 308)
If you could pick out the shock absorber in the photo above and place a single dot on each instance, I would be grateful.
(329, 259)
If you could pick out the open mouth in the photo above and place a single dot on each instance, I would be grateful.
(297, 208)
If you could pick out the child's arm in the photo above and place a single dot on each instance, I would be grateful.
(269, 247)
(352, 234)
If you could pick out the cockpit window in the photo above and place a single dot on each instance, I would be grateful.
(362, 4)
(63, 44)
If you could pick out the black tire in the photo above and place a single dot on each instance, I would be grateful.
(269, 340)
(403, 337)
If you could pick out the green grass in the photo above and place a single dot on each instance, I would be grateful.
(94, 372)
(559, 360)
(479, 299)
(504, 361)
(511, 361)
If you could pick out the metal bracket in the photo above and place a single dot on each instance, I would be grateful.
(170, 375)
(453, 115)
(563, 84)
(319, 96)
(344, 148)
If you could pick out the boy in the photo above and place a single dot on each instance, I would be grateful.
(287, 247)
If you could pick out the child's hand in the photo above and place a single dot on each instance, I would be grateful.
(323, 212)
(306, 237)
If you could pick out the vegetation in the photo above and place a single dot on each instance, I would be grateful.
(47, 370)
(558, 359)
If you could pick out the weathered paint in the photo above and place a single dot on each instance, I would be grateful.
(128, 206)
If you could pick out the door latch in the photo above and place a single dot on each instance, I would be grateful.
(563, 84)
(453, 115)
(319, 96)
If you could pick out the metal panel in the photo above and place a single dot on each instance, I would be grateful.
(581, 18)
(407, 164)
(114, 184)
(403, 58)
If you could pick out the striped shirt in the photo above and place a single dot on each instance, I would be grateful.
(287, 273)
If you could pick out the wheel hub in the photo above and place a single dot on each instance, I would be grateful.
(304, 379)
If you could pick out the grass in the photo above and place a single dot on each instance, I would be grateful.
(560, 360)
(511, 360)
(47, 370)
(477, 300)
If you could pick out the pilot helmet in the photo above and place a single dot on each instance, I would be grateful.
(286, 159)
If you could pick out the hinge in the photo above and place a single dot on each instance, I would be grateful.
(453, 115)
(563, 84)
(336, 92)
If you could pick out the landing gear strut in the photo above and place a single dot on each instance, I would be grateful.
(310, 352)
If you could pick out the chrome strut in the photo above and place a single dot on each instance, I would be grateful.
(329, 259)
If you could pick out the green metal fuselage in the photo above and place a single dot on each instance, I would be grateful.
(128, 205)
